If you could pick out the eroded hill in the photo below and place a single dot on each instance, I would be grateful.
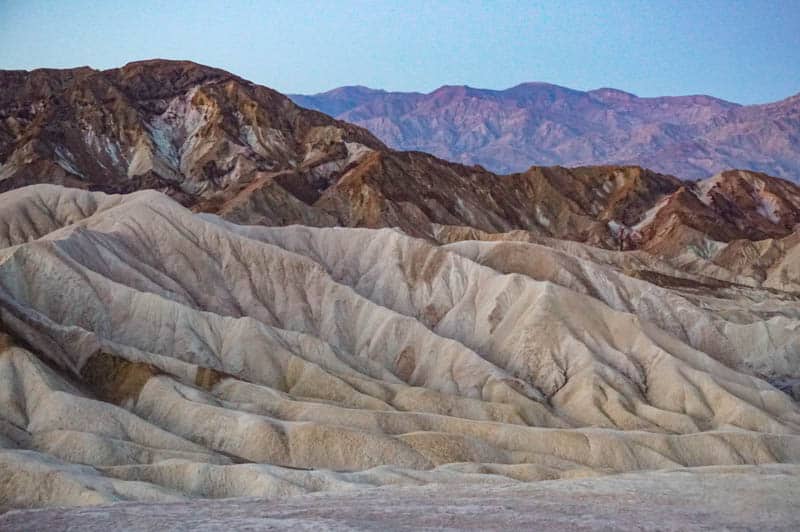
(155, 354)
(272, 302)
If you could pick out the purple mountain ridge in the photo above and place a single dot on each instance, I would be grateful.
(543, 124)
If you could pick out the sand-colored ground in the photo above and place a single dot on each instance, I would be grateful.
(154, 354)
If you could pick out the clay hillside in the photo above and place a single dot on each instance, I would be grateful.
(207, 291)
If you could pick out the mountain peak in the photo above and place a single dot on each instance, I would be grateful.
(455, 90)
(353, 90)
(609, 93)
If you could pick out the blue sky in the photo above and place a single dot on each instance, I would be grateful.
(744, 51)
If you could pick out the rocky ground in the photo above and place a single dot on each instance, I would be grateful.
(743, 498)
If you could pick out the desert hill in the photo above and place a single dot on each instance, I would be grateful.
(207, 291)
(152, 353)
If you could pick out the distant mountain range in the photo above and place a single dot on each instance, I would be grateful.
(509, 130)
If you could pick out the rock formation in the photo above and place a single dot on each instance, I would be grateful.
(176, 126)
(151, 353)
(220, 144)
(207, 291)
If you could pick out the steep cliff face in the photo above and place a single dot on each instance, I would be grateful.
(536, 123)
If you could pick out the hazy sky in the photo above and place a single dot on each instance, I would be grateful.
(744, 51)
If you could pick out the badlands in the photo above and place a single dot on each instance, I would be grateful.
(217, 294)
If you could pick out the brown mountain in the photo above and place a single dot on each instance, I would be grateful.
(173, 125)
(536, 123)
(219, 143)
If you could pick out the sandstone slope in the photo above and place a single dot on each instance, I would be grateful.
(150, 353)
